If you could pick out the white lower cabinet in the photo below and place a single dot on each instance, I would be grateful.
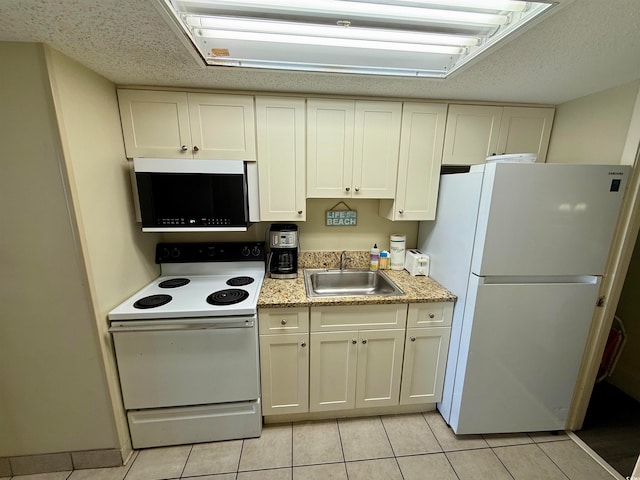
(341, 358)
(284, 360)
(425, 358)
(360, 363)
(355, 369)
(425, 352)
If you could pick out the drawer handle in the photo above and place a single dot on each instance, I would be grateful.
(431, 315)
(184, 148)
(299, 212)
(413, 339)
(364, 341)
(283, 322)
(303, 343)
(354, 341)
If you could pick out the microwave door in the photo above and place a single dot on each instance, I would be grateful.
(192, 201)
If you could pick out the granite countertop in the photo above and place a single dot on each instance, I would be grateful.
(292, 293)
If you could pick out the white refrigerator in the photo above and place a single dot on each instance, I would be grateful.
(524, 247)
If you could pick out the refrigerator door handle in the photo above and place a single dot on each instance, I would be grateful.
(524, 280)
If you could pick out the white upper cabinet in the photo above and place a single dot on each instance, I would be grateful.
(222, 126)
(155, 124)
(525, 130)
(187, 125)
(474, 132)
(421, 144)
(352, 148)
(280, 129)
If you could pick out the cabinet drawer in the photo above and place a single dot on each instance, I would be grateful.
(356, 317)
(430, 314)
(283, 320)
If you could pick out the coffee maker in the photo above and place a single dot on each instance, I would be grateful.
(283, 246)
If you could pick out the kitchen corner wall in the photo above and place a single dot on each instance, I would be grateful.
(593, 129)
(118, 257)
(69, 252)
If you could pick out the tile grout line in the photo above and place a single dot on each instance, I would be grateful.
(501, 462)
(240, 457)
(594, 455)
(551, 459)
(395, 457)
(344, 459)
(186, 461)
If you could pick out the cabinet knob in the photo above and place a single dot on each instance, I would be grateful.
(354, 341)
(357, 189)
(413, 339)
(303, 343)
(364, 341)
(195, 148)
(283, 322)
(348, 189)
(184, 148)
(431, 315)
(400, 212)
(299, 212)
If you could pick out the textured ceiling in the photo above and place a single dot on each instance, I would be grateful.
(585, 47)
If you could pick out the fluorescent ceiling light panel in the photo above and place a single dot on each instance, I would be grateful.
(403, 37)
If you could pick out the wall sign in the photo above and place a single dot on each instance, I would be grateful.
(341, 218)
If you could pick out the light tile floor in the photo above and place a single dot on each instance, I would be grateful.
(402, 447)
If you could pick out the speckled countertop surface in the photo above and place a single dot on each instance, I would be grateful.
(292, 293)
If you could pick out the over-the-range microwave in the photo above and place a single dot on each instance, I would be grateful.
(185, 195)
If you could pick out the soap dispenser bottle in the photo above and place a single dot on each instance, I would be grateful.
(374, 257)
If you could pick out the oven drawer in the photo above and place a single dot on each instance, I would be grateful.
(205, 423)
(186, 362)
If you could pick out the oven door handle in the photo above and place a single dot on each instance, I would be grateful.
(182, 327)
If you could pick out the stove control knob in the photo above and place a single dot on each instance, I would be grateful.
(211, 251)
(164, 253)
(175, 253)
(245, 251)
(256, 251)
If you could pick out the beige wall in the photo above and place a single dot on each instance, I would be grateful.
(593, 129)
(53, 395)
(118, 256)
(315, 235)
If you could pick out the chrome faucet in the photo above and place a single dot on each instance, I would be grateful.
(344, 259)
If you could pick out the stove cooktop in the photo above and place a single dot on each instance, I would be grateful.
(199, 280)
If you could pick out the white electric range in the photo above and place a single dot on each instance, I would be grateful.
(187, 346)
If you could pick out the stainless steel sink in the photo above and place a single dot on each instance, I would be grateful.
(348, 283)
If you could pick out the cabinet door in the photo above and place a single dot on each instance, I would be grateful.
(284, 370)
(375, 150)
(379, 367)
(281, 154)
(525, 130)
(222, 126)
(425, 358)
(155, 124)
(421, 144)
(332, 371)
(329, 148)
(471, 134)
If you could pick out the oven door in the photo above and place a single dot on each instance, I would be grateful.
(195, 361)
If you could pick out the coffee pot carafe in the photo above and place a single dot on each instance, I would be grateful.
(283, 256)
